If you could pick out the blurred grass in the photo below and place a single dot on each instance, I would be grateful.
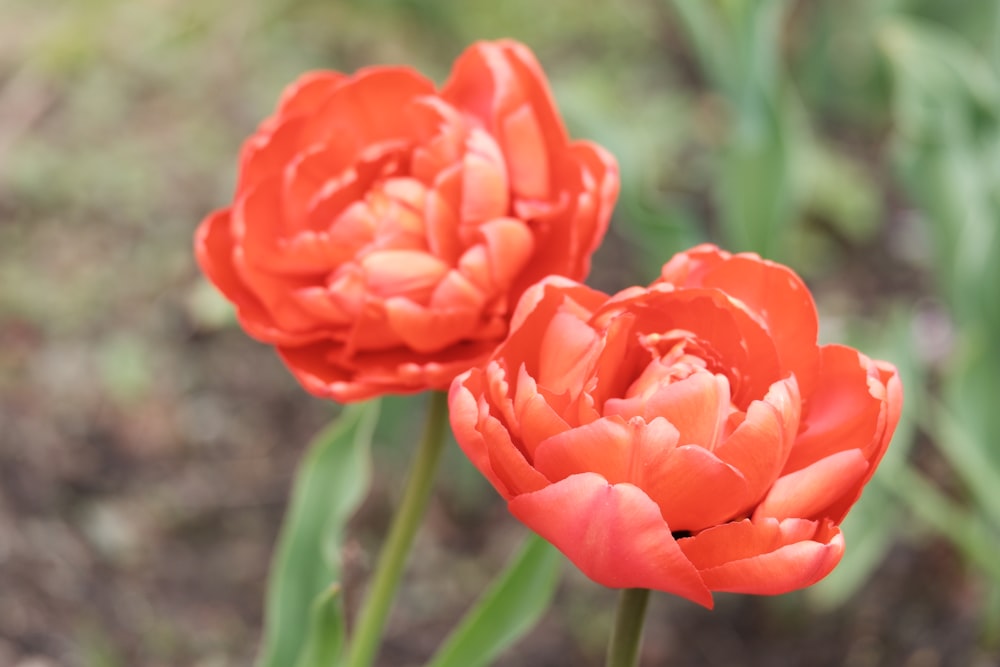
(856, 141)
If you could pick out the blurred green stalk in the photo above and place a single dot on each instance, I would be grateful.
(371, 622)
(626, 636)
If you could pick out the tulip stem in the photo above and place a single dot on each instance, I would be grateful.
(389, 570)
(626, 636)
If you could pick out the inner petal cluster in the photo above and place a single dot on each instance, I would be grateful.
(411, 241)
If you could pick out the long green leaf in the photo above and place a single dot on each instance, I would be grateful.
(507, 610)
(754, 180)
(710, 40)
(970, 458)
(754, 188)
(327, 633)
(331, 482)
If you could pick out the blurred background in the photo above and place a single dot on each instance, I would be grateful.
(147, 446)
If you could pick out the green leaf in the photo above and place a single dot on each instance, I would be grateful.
(754, 188)
(947, 98)
(709, 40)
(754, 181)
(507, 610)
(326, 631)
(970, 457)
(330, 484)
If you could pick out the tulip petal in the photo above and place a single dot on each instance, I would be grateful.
(694, 489)
(485, 188)
(530, 317)
(456, 291)
(408, 273)
(497, 391)
(889, 387)
(404, 208)
(324, 305)
(600, 180)
(306, 176)
(509, 245)
(369, 332)
(588, 184)
(494, 79)
(308, 92)
(527, 158)
(314, 368)
(805, 493)
(441, 222)
(265, 154)
(327, 368)
(256, 224)
(686, 269)
(618, 363)
(613, 532)
(213, 248)
(736, 344)
(535, 417)
(766, 557)
(778, 296)
(567, 349)
(475, 266)
(366, 109)
(463, 413)
(215, 252)
(843, 412)
(759, 446)
(258, 268)
(697, 406)
(440, 132)
(429, 329)
(557, 288)
(340, 210)
(616, 450)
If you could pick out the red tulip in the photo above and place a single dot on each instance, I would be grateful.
(687, 437)
(382, 230)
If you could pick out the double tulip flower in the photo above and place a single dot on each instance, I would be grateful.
(690, 436)
(383, 230)
(687, 437)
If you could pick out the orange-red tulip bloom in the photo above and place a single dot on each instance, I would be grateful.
(382, 230)
(687, 437)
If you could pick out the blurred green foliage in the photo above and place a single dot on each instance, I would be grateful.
(857, 141)
(507, 610)
(305, 619)
(942, 113)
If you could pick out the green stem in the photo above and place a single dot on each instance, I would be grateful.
(388, 572)
(626, 636)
